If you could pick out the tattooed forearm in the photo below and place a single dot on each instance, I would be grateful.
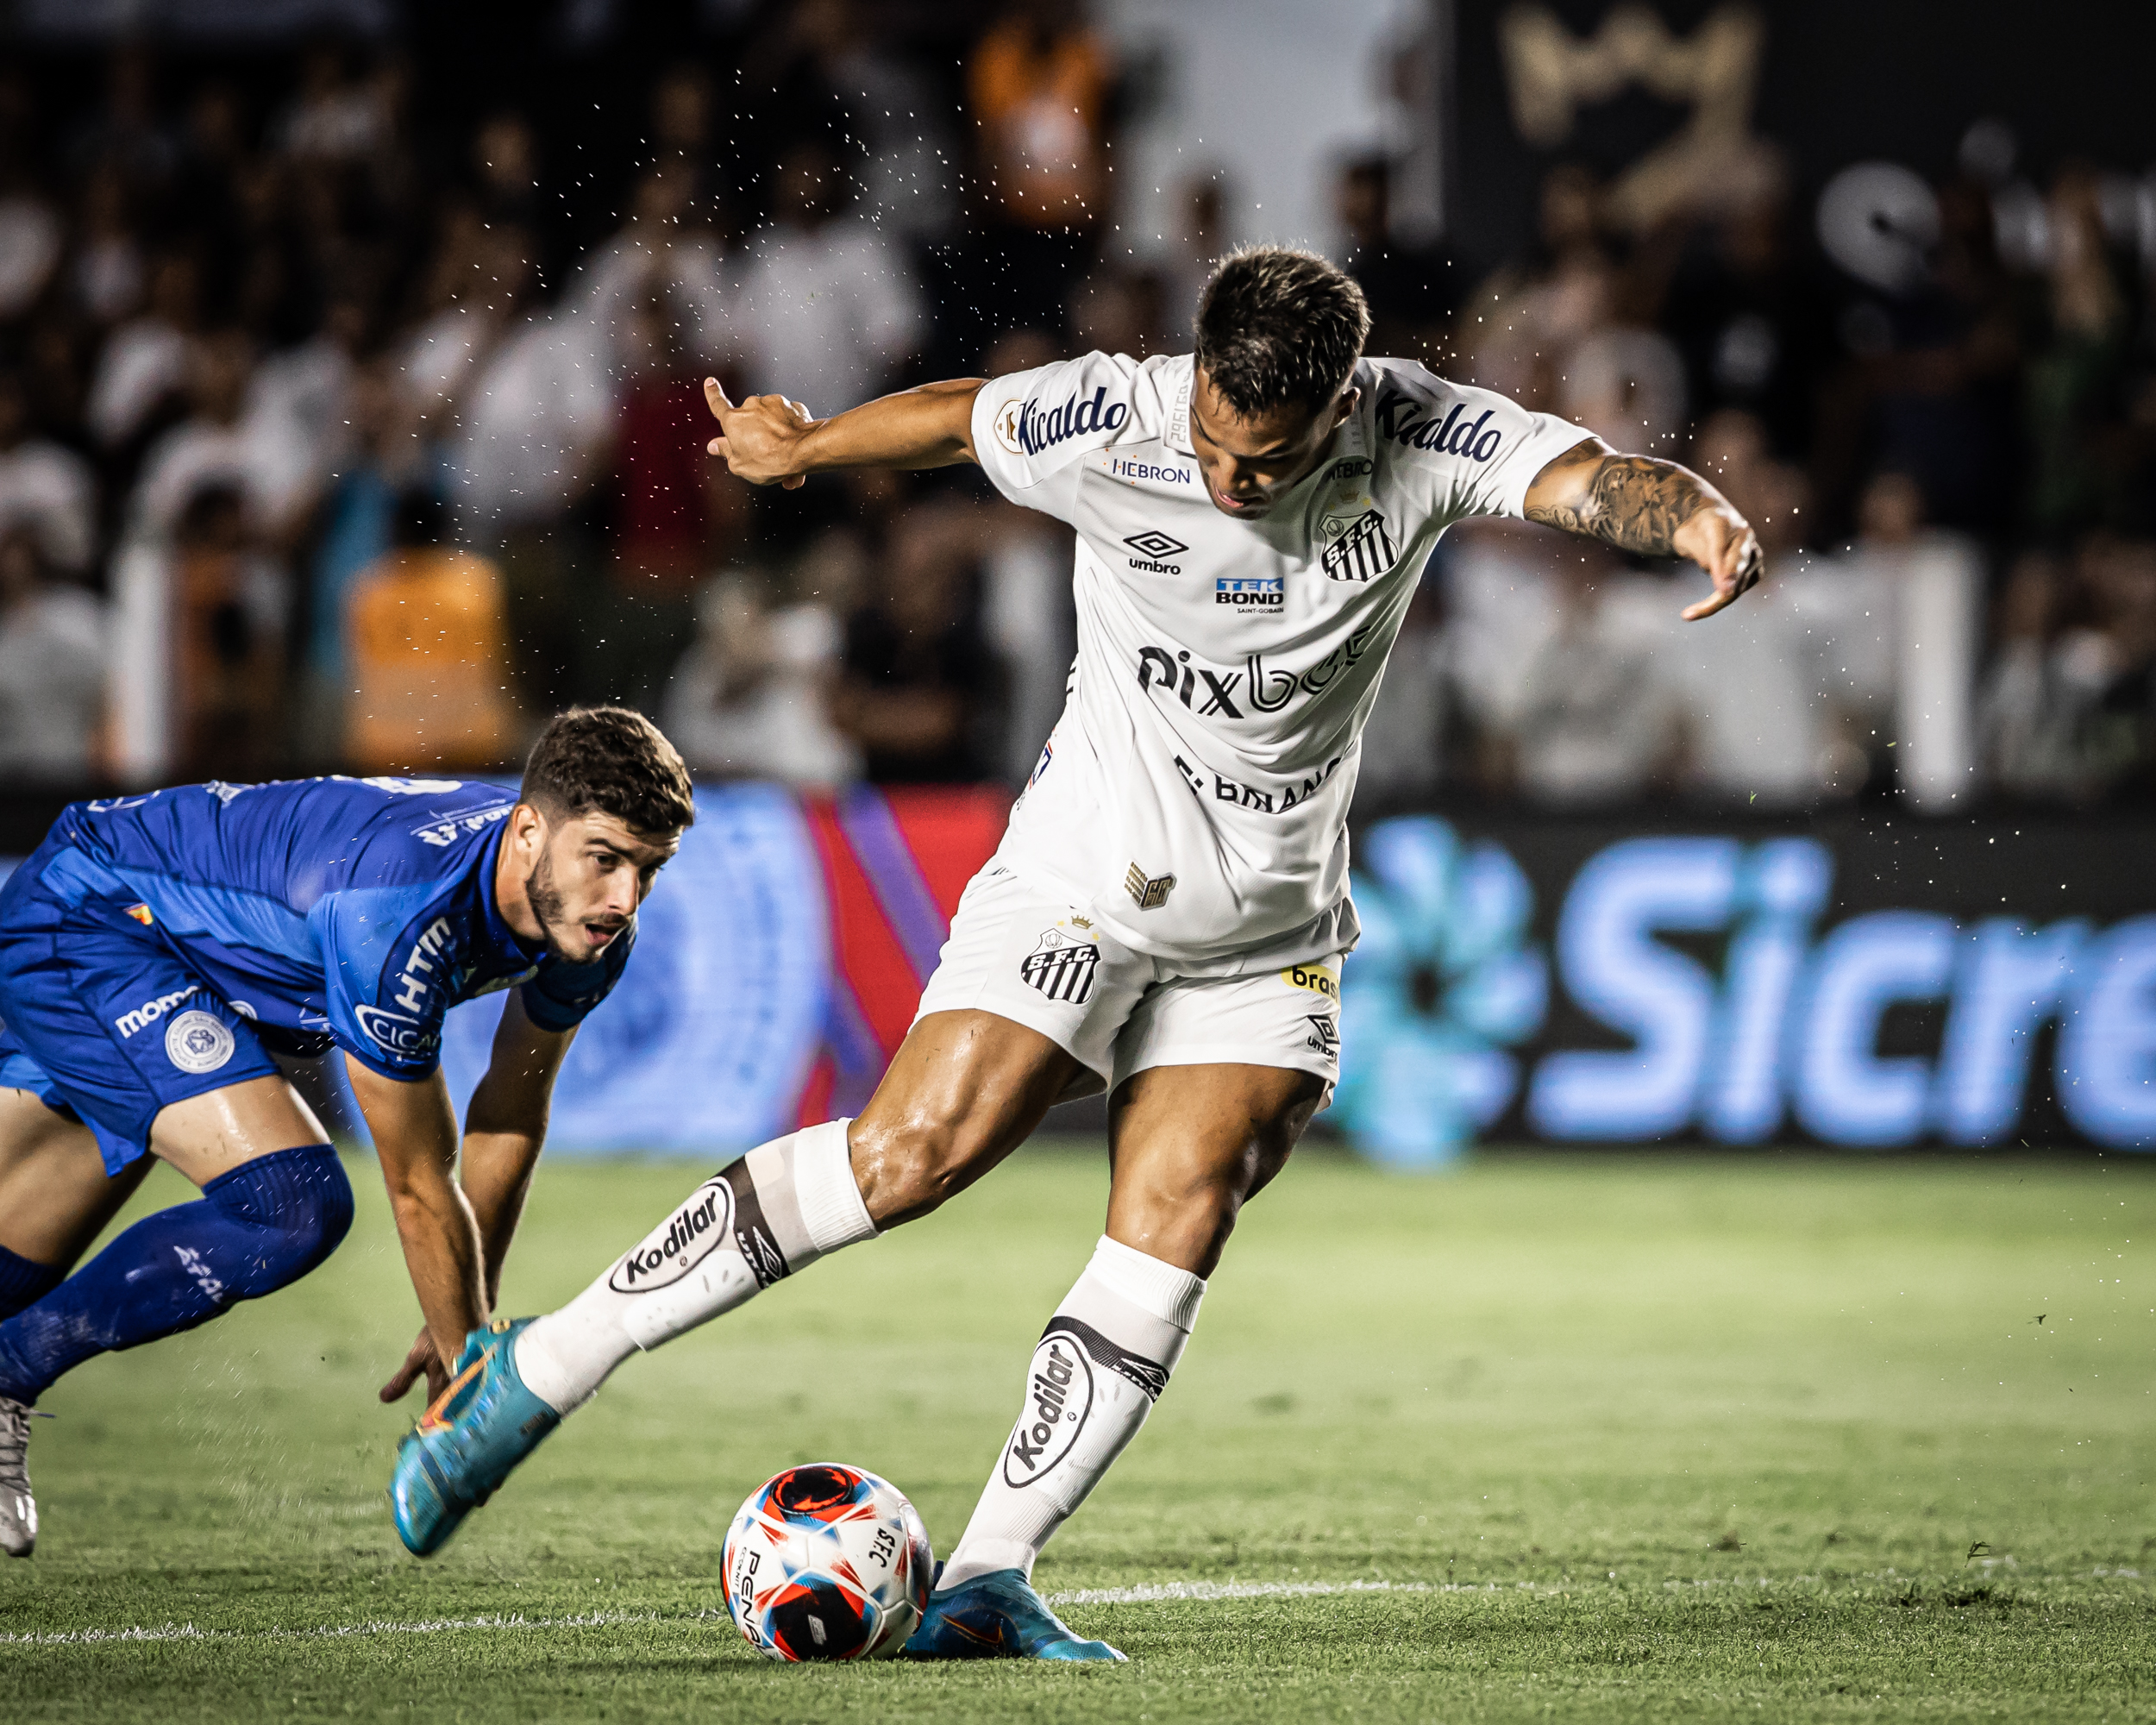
(1632, 501)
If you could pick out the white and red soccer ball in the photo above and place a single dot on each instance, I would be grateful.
(827, 1562)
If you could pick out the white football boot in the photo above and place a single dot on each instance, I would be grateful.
(18, 1509)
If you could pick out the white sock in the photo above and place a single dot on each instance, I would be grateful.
(781, 1207)
(1100, 1365)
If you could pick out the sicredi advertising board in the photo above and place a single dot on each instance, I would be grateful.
(1871, 982)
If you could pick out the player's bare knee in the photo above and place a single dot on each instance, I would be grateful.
(1266, 1162)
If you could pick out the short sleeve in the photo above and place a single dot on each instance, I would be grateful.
(1479, 452)
(386, 979)
(1030, 428)
(561, 995)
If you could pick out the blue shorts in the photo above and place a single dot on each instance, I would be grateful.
(102, 1021)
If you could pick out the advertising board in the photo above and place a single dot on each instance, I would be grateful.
(1873, 983)
(1870, 982)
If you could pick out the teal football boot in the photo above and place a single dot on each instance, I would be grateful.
(466, 1444)
(998, 1616)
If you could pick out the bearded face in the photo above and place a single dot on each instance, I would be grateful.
(574, 884)
(572, 933)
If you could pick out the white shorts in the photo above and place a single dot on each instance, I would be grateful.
(1039, 964)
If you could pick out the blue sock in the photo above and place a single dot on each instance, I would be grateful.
(22, 1281)
(266, 1223)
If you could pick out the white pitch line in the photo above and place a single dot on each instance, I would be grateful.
(72, 1638)
(430, 1626)
(1155, 1593)
(1166, 1592)
(1151, 1593)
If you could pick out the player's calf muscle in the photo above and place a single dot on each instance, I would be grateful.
(965, 1090)
(1190, 1146)
(908, 1166)
(1183, 1222)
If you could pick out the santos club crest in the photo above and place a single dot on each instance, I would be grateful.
(1362, 550)
(1061, 966)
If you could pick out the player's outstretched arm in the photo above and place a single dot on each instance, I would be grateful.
(1655, 508)
(415, 1132)
(504, 1127)
(768, 440)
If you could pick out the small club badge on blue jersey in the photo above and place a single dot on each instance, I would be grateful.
(198, 1041)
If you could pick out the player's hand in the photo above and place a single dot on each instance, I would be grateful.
(1720, 541)
(759, 440)
(424, 1359)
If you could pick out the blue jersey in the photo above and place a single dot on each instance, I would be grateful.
(352, 912)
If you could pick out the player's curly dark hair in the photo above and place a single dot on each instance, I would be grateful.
(613, 760)
(1278, 328)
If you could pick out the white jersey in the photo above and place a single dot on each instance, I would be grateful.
(1194, 794)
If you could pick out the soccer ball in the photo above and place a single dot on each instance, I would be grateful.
(826, 1562)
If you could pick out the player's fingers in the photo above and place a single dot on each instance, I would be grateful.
(1727, 554)
(1708, 607)
(401, 1382)
(1752, 563)
(1735, 569)
(716, 447)
(715, 398)
(793, 484)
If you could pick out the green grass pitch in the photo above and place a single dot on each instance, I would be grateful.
(1602, 1439)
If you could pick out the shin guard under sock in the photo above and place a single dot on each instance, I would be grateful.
(781, 1207)
(1098, 1367)
(265, 1223)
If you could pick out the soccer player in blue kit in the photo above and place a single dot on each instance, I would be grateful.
(156, 949)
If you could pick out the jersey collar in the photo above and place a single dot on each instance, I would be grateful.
(1177, 433)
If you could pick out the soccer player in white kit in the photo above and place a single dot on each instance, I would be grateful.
(1167, 914)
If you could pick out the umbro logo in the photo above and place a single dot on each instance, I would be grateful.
(1155, 544)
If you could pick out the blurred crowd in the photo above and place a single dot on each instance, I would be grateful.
(1937, 405)
(340, 432)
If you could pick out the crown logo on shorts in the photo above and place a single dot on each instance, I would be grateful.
(1150, 893)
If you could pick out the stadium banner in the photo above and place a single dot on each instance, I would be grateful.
(1869, 982)
(1872, 982)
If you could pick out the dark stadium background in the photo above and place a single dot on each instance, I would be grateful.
(1837, 85)
(1775, 1002)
